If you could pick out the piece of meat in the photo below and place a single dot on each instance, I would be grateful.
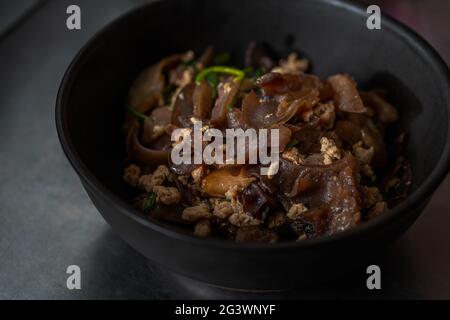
(255, 234)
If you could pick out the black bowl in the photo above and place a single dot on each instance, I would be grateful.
(333, 34)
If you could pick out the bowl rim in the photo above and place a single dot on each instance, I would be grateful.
(420, 195)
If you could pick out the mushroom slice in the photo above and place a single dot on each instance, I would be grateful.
(260, 55)
(146, 91)
(227, 92)
(203, 100)
(295, 85)
(183, 106)
(218, 182)
(141, 153)
(206, 58)
(268, 113)
(155, 124)
(346, 95)
(385, 111)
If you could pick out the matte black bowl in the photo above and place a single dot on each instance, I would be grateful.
(333, 34)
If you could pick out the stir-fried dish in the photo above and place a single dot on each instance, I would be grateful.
(339, 162)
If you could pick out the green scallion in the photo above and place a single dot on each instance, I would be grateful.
(292, 143)
(149, 202)
(239, 74)
(213, 80)
(135, 113)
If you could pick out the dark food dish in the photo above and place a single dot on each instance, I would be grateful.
(90, 111)
(340, 164)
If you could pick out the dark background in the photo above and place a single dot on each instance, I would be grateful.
(47, 221)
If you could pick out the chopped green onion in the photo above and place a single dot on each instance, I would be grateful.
(135, 113)
(258, 73)
(292, 143)
(253, 73)
(230, 107)
(187, 64)
(149, 202)
(222, 59)
(239, 74)
(213, 80)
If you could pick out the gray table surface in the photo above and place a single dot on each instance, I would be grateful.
(47, 221)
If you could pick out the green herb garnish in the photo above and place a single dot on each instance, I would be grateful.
(292, 143)
(222, 59)
(239, 74)
(258, 73)
(149, 202)
(230, 107)
(253, 73)
(135, 113)
(213, 80)
(187, 64)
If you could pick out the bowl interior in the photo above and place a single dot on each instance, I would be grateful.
(333, 35)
